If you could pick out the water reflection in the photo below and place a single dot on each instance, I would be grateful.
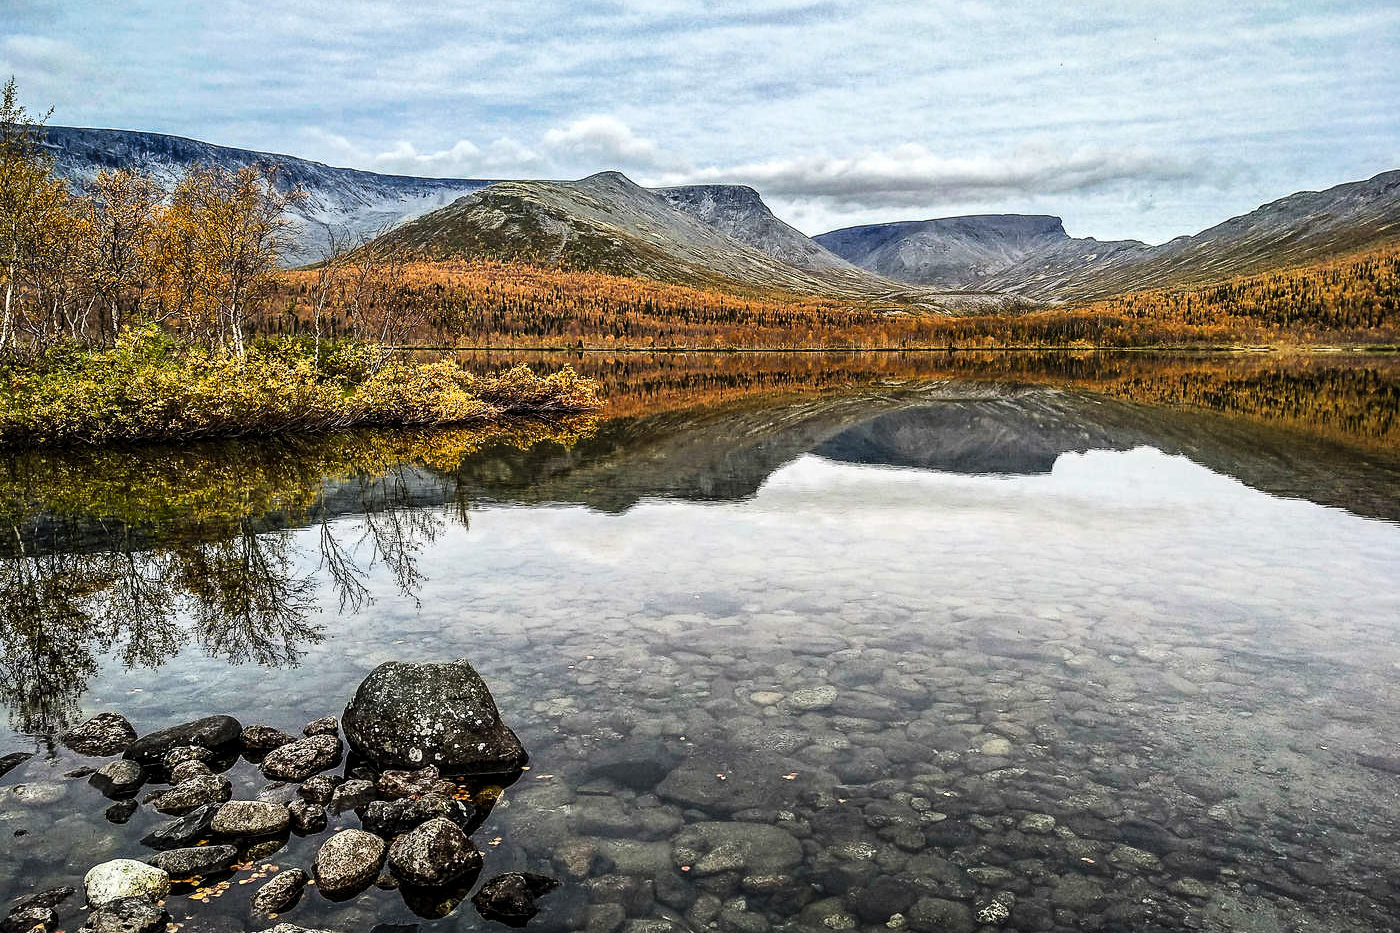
(139, 555)
(133, 556)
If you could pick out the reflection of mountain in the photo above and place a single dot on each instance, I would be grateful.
(728, 452)
(1025, 434)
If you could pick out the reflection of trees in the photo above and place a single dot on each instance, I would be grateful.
(144, 553)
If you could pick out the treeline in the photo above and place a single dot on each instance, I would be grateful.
(488, 303)
(86, 267)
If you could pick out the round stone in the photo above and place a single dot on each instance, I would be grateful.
(122, 878)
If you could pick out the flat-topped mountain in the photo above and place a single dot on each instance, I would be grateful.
(1034, 256)
(339, 200)
(963, 252)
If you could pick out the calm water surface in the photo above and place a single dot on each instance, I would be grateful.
(938, 651)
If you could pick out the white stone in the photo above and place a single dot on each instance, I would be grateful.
(124, 877)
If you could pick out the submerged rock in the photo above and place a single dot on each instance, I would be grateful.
(347, 863)
(281, 892)
(128, 915)
(124, 878)
(510, 898)
(211, 732)
(303, 758)
(433, 854)
(13, 761)
(102, 735)
(405, 716)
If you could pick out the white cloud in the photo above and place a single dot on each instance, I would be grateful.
(606, 141)
(911, 175)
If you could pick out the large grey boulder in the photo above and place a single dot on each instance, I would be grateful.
(406, 716)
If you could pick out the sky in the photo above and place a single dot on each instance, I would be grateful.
(1127, 119)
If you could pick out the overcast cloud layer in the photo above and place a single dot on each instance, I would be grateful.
(1129, 120)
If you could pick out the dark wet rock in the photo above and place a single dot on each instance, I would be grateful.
(128, 915)
(347, 863)
(251, 818)
(13, 761)
(352, 795)
(102, 735)
(326, 725)
(293, 928)
(433, 854)
(121, 811)
(120, 778)
(184, 831)
(124, 878)
(194, 860)
(405, 716)
(510, 898)
(259, 739)
(307, 817)
(320, 788)
(211, 732)
(28, 920)
(50, 899)
(389, 818)
(281, 892)
(395, 784)
(303, 758)
(196, 792)
(935, 915)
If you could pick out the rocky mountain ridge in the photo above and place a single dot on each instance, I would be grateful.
(1035, 257)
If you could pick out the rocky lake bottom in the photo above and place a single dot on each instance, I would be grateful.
(822, 667)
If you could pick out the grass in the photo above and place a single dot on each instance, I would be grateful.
(150, 388)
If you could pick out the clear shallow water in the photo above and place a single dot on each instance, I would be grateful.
(812, 663)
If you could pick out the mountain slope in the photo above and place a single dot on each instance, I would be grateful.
(339, 200)
(607, 223)
(739, 212)
(1033, 256)
(963, 252)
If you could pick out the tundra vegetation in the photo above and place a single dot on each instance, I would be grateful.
(128, 314)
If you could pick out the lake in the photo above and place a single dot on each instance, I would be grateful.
(808, 642)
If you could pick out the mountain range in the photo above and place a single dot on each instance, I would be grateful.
(725, 235)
